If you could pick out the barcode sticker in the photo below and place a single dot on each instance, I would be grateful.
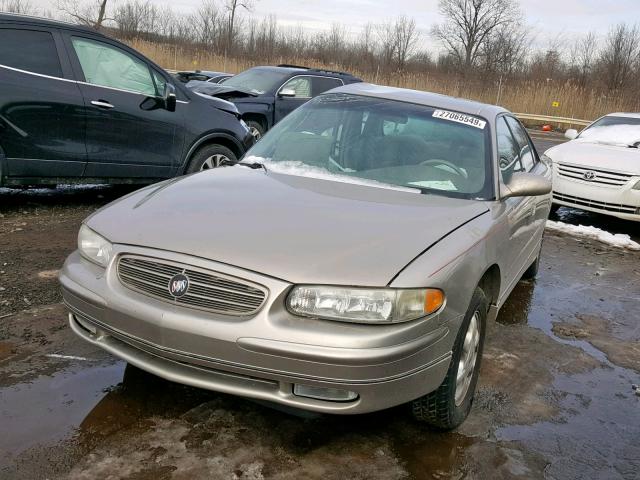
(460, 118)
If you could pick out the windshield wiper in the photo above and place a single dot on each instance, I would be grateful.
(635, 144)
(254, 165)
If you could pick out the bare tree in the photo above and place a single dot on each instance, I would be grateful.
(387, 41)
(93, 13)
(17, 6)
(469, 24)
(620, 54)
(134, 17)
(583, 57)
(232, 7)
(406, 39)
(505, 51)
(206, 22)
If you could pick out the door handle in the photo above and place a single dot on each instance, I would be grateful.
(101, 104)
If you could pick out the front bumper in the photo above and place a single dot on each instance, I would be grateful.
(618, 201)
(261, 356)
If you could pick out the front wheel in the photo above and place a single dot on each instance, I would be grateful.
(211, 156)
(448, 406)
(256, 128)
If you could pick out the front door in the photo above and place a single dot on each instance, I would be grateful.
(519, 210)
(285, 104)
(128, 134)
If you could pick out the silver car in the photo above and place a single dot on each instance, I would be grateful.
(348, 264)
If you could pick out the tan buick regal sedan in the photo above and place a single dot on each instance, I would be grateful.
(349, 263)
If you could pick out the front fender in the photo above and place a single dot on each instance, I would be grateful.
(456, 263)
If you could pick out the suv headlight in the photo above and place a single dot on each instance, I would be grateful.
(546, 159)
(364, 305)
(636, 186)
(94, 247)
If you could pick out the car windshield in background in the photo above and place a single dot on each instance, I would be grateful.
(371, 140)
(256, 80)
(614, 130)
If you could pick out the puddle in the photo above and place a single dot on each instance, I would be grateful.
(50, 407)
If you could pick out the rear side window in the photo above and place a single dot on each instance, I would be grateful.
(30, 50)
(109, 66)
(322, 84)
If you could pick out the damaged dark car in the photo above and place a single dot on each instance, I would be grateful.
(265, 95)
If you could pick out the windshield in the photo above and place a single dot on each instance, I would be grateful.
(614, 130)
(256, 80)
(384, 142)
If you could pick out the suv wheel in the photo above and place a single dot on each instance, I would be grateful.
(211, 156)
(256, 128)
(448, 406)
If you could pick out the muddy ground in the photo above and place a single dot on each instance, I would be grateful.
(555, 397)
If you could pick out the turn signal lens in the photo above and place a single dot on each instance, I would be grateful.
(433, 300)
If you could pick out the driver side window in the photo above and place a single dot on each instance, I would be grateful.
(300, 85)
(508, 151)
(109, 66)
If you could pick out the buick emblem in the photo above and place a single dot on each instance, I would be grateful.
(178, 285)
(588, 176)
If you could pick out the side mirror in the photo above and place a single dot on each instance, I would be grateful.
(525, 185)
(287, 92)
(169, 98)
(571, 133)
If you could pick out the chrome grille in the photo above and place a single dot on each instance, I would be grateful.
(601, 176)
(585, 202)
(210, 291)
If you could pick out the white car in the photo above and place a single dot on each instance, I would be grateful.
(599, 169)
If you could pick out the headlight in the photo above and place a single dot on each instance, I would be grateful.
(637, 186)
(546, 159)
(364, 305)
(94, 247)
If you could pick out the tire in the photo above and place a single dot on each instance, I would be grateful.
(440, 408)
(256, 128)
(211, 156)
(531, 272)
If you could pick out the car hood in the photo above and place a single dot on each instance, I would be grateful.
(222, 91)
(299, 229)
(597, 155)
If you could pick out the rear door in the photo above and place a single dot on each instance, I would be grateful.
(42, 119)
(128, 135)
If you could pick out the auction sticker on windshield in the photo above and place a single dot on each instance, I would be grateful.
(460, 118)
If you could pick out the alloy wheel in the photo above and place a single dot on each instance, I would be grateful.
(215, 161)
(255, 132)
(468, 358)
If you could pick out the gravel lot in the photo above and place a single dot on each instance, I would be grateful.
(555, 395)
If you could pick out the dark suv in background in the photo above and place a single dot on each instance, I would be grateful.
(265, 95)
(76, 105)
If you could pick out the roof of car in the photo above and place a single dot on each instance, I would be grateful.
(47, 22)
(299, 69)
(422, 98)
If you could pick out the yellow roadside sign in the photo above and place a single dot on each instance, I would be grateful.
(555, 104)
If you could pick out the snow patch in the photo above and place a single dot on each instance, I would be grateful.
(617, 240)
(303, 170)
(615, 134)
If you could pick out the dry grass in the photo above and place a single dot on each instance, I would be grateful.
(523, 96)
